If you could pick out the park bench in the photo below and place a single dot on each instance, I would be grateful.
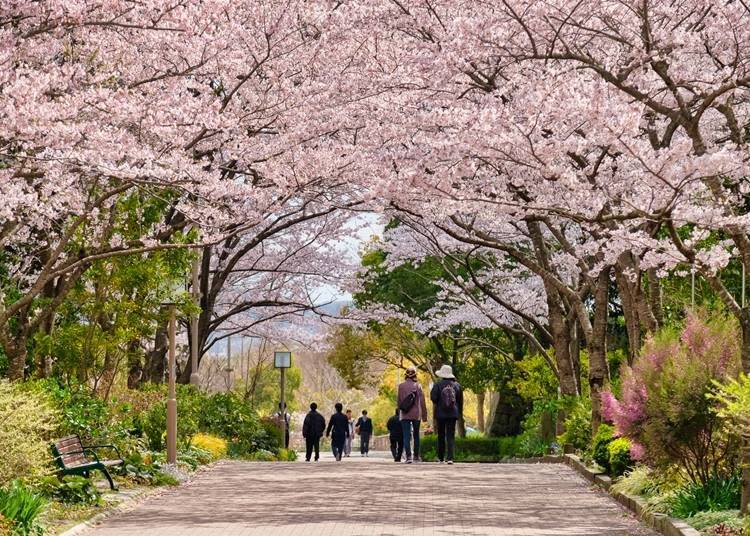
(73, 458)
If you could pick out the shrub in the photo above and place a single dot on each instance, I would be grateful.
(600, 445)
(664, 405)
(22, 508)
(530, 441)
(216, 446)
(638, 481)
(27, 422)
(72, 489)
(577, 426)
(729, 519)
(619, 456)
(715, 495)
(474, 449)
(287, 455)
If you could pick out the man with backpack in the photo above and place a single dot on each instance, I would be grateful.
(396, 435)
(412, 410)
(364, 429)
(448, 398)
(312, 431)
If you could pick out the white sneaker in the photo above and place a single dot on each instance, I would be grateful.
(449, 462)
(408, 460)
(441, 462)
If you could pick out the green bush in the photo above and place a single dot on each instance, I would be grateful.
(22, 507)
(727, 518)
(27, 425)
(619, 456)
(72, 489)
(474, 449)
(146, 469)
(715, 495)
(600, 445)
(577, 426)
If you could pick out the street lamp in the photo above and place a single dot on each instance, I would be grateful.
(282, 361)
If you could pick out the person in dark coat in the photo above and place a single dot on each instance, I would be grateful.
(364, 427)
(396, 435)
(338, 430)
(448, 398)
(312, 430)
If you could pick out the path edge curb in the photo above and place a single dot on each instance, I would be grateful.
(120, 508)
(131, 502)
(668, 526)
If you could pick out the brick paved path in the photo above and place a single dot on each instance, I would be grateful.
(378, 497)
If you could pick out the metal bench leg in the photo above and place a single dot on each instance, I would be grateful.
(109, 478)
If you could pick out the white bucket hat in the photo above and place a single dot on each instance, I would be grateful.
(446, 371)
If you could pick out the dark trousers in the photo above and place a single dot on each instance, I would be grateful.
(364, 442)
(312, 444)
(446, 438)
(397, 447)
(406, 427)
(286, 438)
(337, 446)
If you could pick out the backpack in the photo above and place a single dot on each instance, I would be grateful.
(408, 402)
(448, 397)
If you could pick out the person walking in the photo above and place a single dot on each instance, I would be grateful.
(412, 410)
(338, 430)
(448, 398)
(350, 439)
(364, 428)
(396, 435)
(312, 430)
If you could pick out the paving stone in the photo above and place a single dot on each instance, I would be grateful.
(377, 497)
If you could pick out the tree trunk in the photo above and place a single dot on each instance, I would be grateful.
(157, 359)
(17, 354)
(480, 411)
(598, 367)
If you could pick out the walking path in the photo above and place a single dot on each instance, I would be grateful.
(375, 496)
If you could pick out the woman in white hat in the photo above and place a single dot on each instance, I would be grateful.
(448, 398)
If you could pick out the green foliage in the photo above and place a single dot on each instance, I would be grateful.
(287, 455)
(733, 402)
(619, 456)
(600, 446)
(531, 441)
(534, 379)
(72, 489)
(145, 469)
(577, 425)
(715, 495)
(22, 507)
(27, 423)
(473, 449)
(638, 481)
(730, 519)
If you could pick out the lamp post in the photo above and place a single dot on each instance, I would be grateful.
(282, 361)
(172, 394)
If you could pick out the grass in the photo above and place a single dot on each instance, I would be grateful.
(474, 449)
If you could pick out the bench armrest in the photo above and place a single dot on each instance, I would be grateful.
(94, 448)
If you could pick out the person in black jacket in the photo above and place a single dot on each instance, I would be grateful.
(364, 427)
(312, 431)
(448, 398)
(338, 430)
(396, 435)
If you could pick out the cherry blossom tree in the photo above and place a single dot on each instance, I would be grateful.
(219, 110)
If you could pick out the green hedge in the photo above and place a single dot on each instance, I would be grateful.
(474, 449)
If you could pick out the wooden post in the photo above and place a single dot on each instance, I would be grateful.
(195, 377)
(172, 400)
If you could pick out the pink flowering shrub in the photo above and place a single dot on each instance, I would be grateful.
(663, 408)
